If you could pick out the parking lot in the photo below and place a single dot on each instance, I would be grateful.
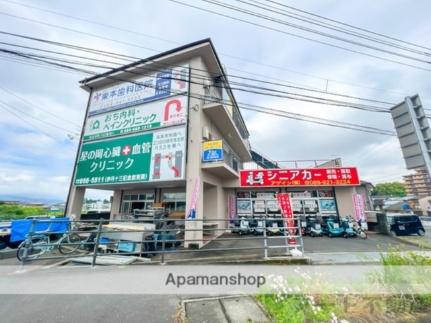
(232, 246)
(250, 246)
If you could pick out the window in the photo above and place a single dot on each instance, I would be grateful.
(174, 201)
(136, 201)
(235, 164)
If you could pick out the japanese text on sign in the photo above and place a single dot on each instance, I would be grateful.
(148, 88)
(342, 176)
(152, 156)
(152, 115)
(286, 210)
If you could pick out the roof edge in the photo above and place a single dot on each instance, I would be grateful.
(151, 58)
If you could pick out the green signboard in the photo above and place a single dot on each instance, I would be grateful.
(122, 160)
(157, 155)
(153, 115)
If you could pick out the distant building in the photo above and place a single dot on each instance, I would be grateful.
(418, 184)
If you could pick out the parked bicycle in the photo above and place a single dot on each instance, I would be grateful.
(73, 242)
(39, 243)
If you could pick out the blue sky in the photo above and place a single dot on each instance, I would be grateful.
(37, 158)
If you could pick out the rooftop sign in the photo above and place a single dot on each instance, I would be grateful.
(140, 90)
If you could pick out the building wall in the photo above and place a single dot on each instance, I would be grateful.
(344, 199)
(418, 184)
(211, 204)
(116, 204)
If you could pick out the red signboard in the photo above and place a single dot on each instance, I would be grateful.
(286, 211)
(340, 176)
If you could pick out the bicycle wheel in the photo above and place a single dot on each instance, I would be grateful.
(34, 248)
(69, 243)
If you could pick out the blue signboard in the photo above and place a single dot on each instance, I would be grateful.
(212, 155)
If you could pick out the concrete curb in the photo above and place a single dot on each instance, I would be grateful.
(242, 260)
(183, 311)
(411, 243)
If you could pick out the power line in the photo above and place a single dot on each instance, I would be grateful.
(297, 96)
(313, 31)
(261, 109)
(38, 119)
(24, 120)
(300, 36)
(75, 47)
(75, 31)
(93, 22)
(313, 99)
(292, 15)
(59, 53)
(267, 91)
(234, 76)
(258, 63)
(244, 60)
(34, 64)
(28, 103)
(231, 75)
(175, 42)
(347, 25)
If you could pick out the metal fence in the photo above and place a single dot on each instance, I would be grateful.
(161, 241)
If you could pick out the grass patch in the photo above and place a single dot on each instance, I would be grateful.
(19, 211)
(402, 274)
(300, 308)
(407, 300)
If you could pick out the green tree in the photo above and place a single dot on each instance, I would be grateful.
(390, 189)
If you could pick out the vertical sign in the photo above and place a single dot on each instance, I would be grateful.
(191, 213)
(359, 205)
(231, 207)
(286, 211)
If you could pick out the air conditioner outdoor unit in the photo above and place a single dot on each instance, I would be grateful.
(206, 133)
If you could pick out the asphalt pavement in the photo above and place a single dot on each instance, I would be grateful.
(88, 308)
(375, 242)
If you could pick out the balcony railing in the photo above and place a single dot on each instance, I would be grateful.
(218, 94)
(229, 158)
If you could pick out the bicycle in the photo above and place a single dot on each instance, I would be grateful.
(38, 244)
(72, 242)
(33, 248)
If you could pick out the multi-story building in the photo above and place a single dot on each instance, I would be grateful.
(167, 130)
(418, 184)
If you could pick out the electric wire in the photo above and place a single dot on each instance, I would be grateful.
(30, 104)
(234, 57)
(255, 108)
(18, 116)
(300, 36)
(230, 75)
(273, 9)
(346, 24)
(267, 91)
(313, 31)
(39, 119)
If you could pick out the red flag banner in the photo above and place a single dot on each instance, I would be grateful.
(286, 211)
